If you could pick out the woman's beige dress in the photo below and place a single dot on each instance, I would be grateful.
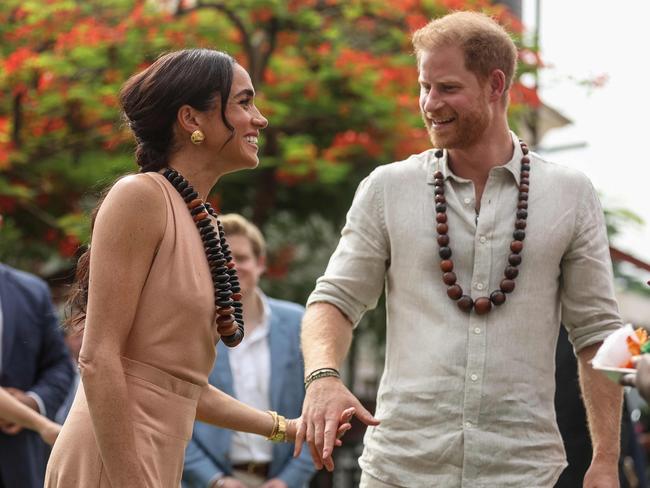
(169, 354)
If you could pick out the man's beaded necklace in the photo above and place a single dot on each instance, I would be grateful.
(481, 305)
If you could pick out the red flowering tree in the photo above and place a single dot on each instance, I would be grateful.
(336, 79)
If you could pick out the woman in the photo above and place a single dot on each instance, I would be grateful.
(150, 324)
(14, 411)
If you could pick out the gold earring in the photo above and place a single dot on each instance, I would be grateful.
(197, 137)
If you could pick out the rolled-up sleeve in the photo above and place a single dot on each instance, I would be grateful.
(354, 278)
(589, 307)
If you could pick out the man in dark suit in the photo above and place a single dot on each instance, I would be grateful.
(34, 366)
(265, 371)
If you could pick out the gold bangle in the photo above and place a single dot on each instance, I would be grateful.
(279, 432)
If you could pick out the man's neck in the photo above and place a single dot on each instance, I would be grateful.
(253, 310)
(474, 163)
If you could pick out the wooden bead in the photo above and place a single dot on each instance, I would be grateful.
(520, 224)
(200, 216)
(522, 204)
(525, 167)
(440, 199)
(524, 174)
(514, 259)
(446, 265)
(225, 320)
(439, 190)
(441, 218)
(519, 235)
(523, 188)
(444, 252)
(498, 297)
(465, 303)
(507, 286)
(441, 208)
(516, 246)
(195, 203)
(438, 182)
(482, 305)
(511, 272)
(225, 311)
(524, 181)
(524, 149)
(443, 241)
(449, 278)
(454, 292)
(523, 196)
(525, 160)
(442, 229)
(236, 296)
(522, 214)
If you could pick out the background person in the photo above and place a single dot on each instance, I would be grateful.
(34, 367)
(265, 371)
(18, 413)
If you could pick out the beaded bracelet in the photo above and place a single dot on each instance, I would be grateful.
(321, 373)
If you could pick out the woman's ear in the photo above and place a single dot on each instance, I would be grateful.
(188, 118)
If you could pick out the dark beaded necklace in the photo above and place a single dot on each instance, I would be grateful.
(482, 305)
(227, 293)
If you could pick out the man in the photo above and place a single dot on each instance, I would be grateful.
(73, 339)
(466, 398)
(34, 366)
(265, 371)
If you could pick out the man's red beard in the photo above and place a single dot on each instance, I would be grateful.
(464, 131)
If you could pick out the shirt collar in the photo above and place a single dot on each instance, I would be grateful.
(440, 164)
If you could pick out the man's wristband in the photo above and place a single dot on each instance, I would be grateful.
(321, 373)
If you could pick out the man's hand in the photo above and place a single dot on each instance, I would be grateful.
(325, 402)
(602, 474)
(275, 483)
(228, 482)
(10, 428)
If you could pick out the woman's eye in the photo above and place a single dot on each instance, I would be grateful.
(247, 102)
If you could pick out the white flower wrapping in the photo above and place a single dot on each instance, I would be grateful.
(614, 353)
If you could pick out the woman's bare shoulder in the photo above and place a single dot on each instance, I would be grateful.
(136, 203)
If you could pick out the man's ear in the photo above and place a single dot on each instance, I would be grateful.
(497, 83)
(188, 118)
(261, 262)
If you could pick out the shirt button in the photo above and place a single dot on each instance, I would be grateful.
(467, 200)
(477, 330)
(479, 286)
(482, 239)
(474, 377)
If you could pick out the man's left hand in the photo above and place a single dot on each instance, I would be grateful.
(275, 483)
(602, 475)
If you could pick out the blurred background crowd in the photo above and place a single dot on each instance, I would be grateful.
(338, 83)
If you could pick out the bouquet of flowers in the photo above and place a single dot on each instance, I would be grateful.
(614, 357)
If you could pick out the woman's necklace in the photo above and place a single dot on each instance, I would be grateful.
(227, 293)
(481, 305)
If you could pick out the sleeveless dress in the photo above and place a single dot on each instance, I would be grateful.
(168, 357)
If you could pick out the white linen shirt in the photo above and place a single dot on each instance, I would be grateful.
(250, 363)
(467, 400)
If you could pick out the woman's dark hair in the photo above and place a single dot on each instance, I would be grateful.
(150, 101)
